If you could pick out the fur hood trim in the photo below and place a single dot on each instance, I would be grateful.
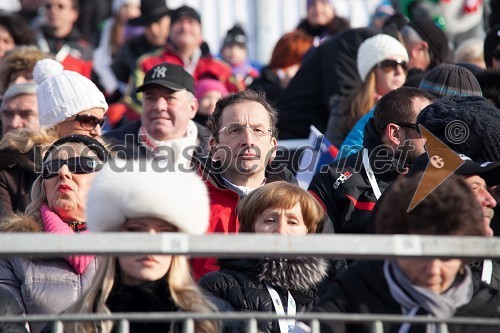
(20, 223)
(301, 273)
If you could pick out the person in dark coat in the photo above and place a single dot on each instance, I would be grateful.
(312, 92)
(251, 284)
(155, 18)
(440, 288)
(391, 143)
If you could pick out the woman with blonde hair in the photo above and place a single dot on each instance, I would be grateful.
(68, 103)
(51, 285)
(382, 63)
(146, 200)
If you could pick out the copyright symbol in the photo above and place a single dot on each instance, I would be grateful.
(456, 132)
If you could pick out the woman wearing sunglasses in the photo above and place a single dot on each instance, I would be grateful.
(68, 103)
(382, 63)
(47, 286)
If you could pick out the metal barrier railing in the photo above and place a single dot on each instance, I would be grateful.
(313, 319)
(248, 245)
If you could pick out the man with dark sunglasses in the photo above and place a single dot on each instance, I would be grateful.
(166, 130)
(350, 187)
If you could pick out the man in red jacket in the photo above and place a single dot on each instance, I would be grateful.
(242, 146)
(185, 47)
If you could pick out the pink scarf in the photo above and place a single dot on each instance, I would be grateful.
(54, 225)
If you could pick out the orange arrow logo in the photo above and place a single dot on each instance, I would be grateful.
(443, 161)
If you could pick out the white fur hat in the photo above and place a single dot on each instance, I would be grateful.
(131, 189)
(376, 49)
(62, 94)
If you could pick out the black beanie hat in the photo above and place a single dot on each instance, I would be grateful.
(467, 124)
(444, 80)
(235, 35)
(435, 37)
(490, 44)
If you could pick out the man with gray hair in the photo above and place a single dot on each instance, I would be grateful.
(166, 130)
(19, 108)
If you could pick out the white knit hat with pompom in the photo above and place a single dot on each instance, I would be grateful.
(377, 49)
(129, 189)
(62, 94)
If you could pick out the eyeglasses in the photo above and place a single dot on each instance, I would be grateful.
(409, 125)
(392, 65)
(89, 122)
(238, 130)
(77, 165)
(496, 54)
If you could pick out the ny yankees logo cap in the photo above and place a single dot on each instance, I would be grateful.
(170, 76)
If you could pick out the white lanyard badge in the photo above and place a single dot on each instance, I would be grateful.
(286, 325)
(370, 175)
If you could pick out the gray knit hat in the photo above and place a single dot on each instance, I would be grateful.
(444, 80)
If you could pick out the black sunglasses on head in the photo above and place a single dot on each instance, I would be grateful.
(392, 65)
(77, 165)
(89, 122)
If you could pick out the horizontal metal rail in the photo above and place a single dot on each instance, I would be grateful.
(250, 245)
(313, 319)
(180, 316)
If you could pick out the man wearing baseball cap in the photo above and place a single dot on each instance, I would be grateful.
(165, 129)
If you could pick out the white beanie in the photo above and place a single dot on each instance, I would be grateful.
(62, 94)
(132, 189)
(377, 49)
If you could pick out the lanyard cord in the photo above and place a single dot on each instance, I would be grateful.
(286, 325)
(370, 175)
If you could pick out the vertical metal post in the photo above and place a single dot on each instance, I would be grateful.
(443, 328)
(252, 326)
(315, 326)
(188, 326)
(377, 327)
(123, 326)
(57, 327)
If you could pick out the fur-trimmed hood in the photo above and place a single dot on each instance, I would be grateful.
(301, 274)
(20, 223)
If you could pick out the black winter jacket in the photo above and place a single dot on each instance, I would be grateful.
(328, 72)
(240, 283)
(18, 171)
(344, 188)
(363, 289)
